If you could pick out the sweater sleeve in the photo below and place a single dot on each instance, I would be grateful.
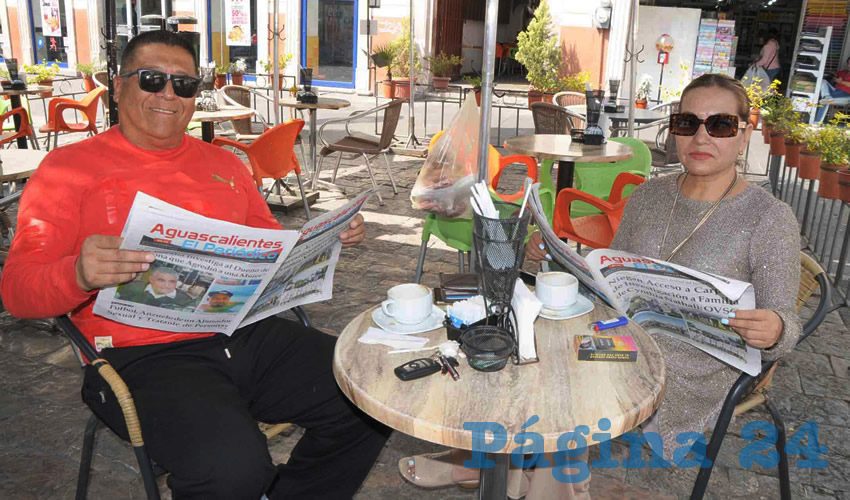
(775, 264)
(39, 279)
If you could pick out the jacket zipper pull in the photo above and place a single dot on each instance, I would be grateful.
(227, 351)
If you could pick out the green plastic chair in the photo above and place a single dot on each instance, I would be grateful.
(597, 178)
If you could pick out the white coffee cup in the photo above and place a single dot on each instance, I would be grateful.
(408, 304)
(556, 290)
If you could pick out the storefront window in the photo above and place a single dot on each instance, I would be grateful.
(328, 41)
(233, 32)
(49, 30)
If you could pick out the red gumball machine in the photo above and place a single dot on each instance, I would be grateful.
(664, 44)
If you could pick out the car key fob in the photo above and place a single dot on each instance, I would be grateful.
(417, 368)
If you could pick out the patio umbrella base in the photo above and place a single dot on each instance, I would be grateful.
(285, 203)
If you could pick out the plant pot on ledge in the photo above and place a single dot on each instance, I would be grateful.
(46, 83)
(441, 82)
(236, 78)
(828, 187)
(753, 120)
(765, 132)
(792, 153)
(844, 184)
(402, 88)
(88, 83)
(478, 97)
(640, 103)
(388, 89)
(809, 165)
(220, 80)
(777, 143)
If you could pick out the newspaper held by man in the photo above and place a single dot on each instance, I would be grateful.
(215, 276)
(661, 297)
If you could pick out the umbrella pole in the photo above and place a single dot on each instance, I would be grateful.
(276, 62)
(411, 120)
(111, 59)
(633, 19)
(487, 70)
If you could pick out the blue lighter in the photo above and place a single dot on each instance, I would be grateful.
(608, 324)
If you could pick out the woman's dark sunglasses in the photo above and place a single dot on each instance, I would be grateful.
(721, 126)
(153, 81)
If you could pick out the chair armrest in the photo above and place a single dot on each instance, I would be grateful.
(530, 165)
(823, 306)
(61, 107)
(224, 141)
(347, 120)
(623, 179)
(561, 219)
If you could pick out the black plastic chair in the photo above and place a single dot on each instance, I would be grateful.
(149, 470)
(742, 396)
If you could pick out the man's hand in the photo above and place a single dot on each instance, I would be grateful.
(102, 264)
(535, 251)
(355, 233)
(759, 327)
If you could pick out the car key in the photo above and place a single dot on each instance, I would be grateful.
(417, 368)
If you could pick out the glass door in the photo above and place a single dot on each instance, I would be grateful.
(232, 32)
(329, 41)
(49, 28)
(130, 22)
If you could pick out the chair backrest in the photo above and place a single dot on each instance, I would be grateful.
(391, 114)
(569, 98)
(550, 119)
(87, 106)
(241, 95)
(598, 178)
(272, 155)
(101, 79)
(24, 131)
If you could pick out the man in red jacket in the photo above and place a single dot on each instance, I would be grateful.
(198, 396)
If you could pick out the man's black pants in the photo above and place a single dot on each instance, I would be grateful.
(199, 402)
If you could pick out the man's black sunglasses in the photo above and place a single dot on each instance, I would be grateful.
(153, 81)
(721, 125)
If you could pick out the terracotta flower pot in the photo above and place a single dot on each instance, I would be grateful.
(478, 97)
(765, 133)
(777, 143)
(402, 88)
(388, 89)
(844, 184)
(809, 165)
(792, 154)
(828, 187)
(46, 83)
(753, 120)
(236, 78)
(88, 83)
(534, 95)
(220, 80)
(441, 82)
(280, 81)
(640, 103)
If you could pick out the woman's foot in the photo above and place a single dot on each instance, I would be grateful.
(437, 470)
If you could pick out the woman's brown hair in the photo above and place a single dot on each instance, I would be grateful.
(726, 83)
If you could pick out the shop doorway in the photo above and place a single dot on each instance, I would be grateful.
(232, 32)
(329, 41)
(133, 17)
(49, 30)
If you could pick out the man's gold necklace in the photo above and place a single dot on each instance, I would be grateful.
(700, 223)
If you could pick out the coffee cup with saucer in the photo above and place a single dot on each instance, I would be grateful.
(409, 308)
(558, 291)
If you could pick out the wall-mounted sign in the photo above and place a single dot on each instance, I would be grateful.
(50, 23)
(237, 15)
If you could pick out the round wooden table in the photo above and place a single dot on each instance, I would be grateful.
(321, 103)
(15, 101)
(224, 113)
(567, 152)
(561, 390)
(19, 164)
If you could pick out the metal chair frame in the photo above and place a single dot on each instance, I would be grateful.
(149, 470)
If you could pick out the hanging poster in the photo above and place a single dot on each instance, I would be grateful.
(237, 14)
(50, 24)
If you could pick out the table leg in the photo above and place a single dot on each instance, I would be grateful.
(566, 170)
(16, 103)
(494, 481)
(207, 131)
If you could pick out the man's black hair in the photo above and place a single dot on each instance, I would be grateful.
(221, 292)
(161, 37)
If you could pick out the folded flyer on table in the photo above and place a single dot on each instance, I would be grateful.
(217, 276)
(660, 296)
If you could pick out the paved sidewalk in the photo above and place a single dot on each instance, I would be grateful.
(42, 418)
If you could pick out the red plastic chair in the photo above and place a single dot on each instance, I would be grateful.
(272, 156)
(56, 121)
(596, 231)
(26, 129)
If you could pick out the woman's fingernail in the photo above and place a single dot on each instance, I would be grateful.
(732, 314)
(548, 257)
(145, 267)
(540, 246)
(724, 321)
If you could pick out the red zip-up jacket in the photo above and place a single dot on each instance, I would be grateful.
(87, 188)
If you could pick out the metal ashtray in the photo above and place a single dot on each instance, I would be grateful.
(487, 347)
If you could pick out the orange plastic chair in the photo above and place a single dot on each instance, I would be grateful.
(272, 156)
(26, 129)
(595, 231)
(496, 164)
(56, 122)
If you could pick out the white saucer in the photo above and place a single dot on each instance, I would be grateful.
(582, 306)
(432, 322)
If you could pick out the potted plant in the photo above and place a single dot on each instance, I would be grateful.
(237, 71)
(87, 70)
(643, 91)
(282, 61)
(293, 91)
(758, 94)
(810, 155)
(221, 75)
(780, 119)
(794, 140)
(442, 67)
(402, 61)
(577, 82)
(384, 56)
(475, 81)
(834, 145)
(539, 52)
(42, 74)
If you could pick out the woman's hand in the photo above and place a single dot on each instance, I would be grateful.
(760, 328)
(355, 233)
(535, 251)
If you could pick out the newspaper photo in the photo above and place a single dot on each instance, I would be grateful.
(662, 297)
(215, 276)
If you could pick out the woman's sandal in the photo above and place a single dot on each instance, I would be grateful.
(432, 470)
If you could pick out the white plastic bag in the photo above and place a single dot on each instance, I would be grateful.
(756, 74)
(443, 185)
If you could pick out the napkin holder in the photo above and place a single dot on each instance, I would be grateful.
(306, 95)
(613, 107)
